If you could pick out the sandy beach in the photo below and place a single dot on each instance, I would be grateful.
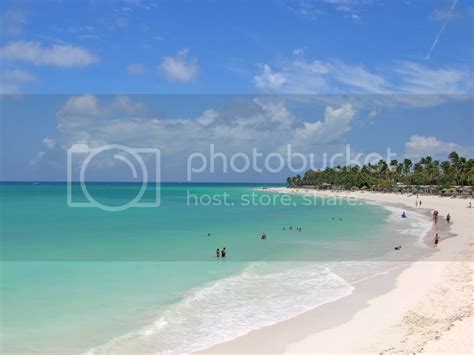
(421, 306)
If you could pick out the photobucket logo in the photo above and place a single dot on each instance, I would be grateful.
(291, 161)
(133, 159)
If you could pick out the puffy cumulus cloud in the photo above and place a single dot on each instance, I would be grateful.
(268, 79)
(262, 123)
(335, 124)
(61, 55)
(86, 111)
(420, 146)
(181, 68)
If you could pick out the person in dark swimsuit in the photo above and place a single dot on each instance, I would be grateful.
(436, 239)
(448, 218)
(218, 252)
(223, 251)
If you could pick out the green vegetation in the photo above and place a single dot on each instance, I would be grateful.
(430, 174)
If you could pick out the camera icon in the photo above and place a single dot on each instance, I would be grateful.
(142, 191)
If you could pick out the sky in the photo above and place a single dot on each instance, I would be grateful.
(180, 76)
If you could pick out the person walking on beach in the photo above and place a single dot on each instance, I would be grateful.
(448, 218)
(436, 239)
(223, 252)
(416, 203)
(218, 252)
(420, 203)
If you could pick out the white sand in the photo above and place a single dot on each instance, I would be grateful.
(427, 309)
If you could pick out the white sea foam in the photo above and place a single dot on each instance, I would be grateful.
(222, 310)
(416, 224)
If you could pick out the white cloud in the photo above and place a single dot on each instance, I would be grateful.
(372, 114)
(359, 78)
(49, 143)
(420, 79)
(336, 123)
(36, 159)
(136, 69)
(268, 79)
(13, 22)
(302, 76)
(298, 51)
(13, 79)
(61, 55)
(420, 146)
(180, 68)
(316, 76)
(208, 117)
(262, 123)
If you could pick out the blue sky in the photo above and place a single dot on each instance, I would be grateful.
(180, 75)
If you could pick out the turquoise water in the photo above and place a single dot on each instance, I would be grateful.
(147, 279)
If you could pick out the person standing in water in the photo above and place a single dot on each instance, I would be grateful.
(436, 239)
(223, 252)
(448, 218)
(218, 252)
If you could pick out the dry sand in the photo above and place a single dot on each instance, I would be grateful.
(425, 306)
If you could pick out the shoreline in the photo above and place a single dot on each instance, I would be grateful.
(421, 305)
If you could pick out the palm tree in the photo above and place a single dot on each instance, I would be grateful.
(407, 164)
(455, 161)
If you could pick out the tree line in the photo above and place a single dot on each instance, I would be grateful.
(456, 171)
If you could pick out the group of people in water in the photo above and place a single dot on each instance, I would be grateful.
(221, 253)
(435, 215)
(299, 229)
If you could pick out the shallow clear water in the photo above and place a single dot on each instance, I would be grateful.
(79, 279)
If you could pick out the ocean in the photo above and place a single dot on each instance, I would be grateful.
(85, 280)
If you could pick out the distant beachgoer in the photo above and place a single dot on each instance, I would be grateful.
(333, 218)
(469, 205)
(398, 248)
(448, 218)
(218, 253)
(264, 236)
(284, 228)
(291, 228)
(416, 203)
(340, 219)
(436, 239)
(208, 234)
(223, 252)
(420, 203)
(404, 215)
